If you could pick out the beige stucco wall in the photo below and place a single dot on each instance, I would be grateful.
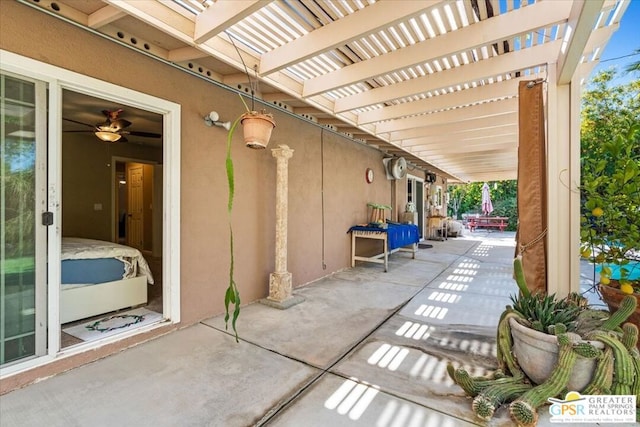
(328, 191)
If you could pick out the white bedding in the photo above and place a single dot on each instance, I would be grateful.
(79, 248)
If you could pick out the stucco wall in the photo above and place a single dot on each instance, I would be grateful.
(328, 191)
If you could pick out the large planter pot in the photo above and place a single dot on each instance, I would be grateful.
(612, 296)
(257, 128)
(537, 355)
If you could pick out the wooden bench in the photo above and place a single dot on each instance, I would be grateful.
(500, 222)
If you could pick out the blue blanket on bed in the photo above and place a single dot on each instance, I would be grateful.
(398, 235)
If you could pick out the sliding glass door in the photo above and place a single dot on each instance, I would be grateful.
(22, 235)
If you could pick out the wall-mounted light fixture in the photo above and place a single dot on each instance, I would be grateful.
(212, 119)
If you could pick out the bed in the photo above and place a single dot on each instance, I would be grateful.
(396, 237)
(99, 277)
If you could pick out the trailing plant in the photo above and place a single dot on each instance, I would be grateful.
(231, 295)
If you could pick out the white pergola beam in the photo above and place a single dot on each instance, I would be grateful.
(464, 153)
(484, 33)
(341, 32)
(466, 137)
(461, 149)
(487, 110)
(472, 125)
(503, 89)
(104, 16)
(582, 19)
(494, 66)
(187, 53)
(223, 14)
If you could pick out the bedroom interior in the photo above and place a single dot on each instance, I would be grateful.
(109, 174)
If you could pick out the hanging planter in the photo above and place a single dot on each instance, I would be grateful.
(257, 128)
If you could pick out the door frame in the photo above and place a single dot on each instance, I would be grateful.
(59, 79)
(114, 189)
(418, 190)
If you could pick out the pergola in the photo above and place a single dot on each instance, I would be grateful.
(434, 81)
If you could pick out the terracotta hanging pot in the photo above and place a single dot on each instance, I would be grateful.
(257, 128)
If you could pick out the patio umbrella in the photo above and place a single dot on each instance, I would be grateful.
(487, 206)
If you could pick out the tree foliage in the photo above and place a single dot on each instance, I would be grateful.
(503, 197)
(610, 172)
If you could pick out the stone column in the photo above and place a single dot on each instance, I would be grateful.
(280, 288)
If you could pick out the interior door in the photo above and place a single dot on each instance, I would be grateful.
(135, 215)
(23, 293)
(415, 194)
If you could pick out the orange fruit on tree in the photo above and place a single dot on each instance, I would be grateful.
(626, 289)
(604, 280)
(597, 212)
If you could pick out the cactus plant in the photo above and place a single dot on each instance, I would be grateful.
(627, 307)
(586, 350)
(506, 360)
(518, 273)
(524, 410)
(475, 385)
(571, 321)
(629, 335)
(602, 376)
(485, 403)
(623, 369)
(635, 388)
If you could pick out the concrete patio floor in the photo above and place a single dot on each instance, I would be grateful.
(366, 348)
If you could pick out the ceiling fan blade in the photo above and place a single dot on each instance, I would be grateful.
(80, 123)
(145, 134)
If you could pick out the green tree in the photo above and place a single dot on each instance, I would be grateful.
(610, 172)
(634, 67)
(503, 197)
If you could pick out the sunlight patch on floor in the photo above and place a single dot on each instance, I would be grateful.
(465, 271)
(388, 357)
(447, 297)
(396, 414)
(459, 278)
(415, 330)
(352, 398)
(482, 250)
(458, 287)
(470, 346)
(432, 311)
(431, 368)
(469, 265)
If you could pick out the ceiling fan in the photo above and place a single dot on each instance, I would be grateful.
(113, 129)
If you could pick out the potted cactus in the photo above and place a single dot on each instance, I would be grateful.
(579, 335)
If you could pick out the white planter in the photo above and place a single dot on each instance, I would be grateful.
(537, 355)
